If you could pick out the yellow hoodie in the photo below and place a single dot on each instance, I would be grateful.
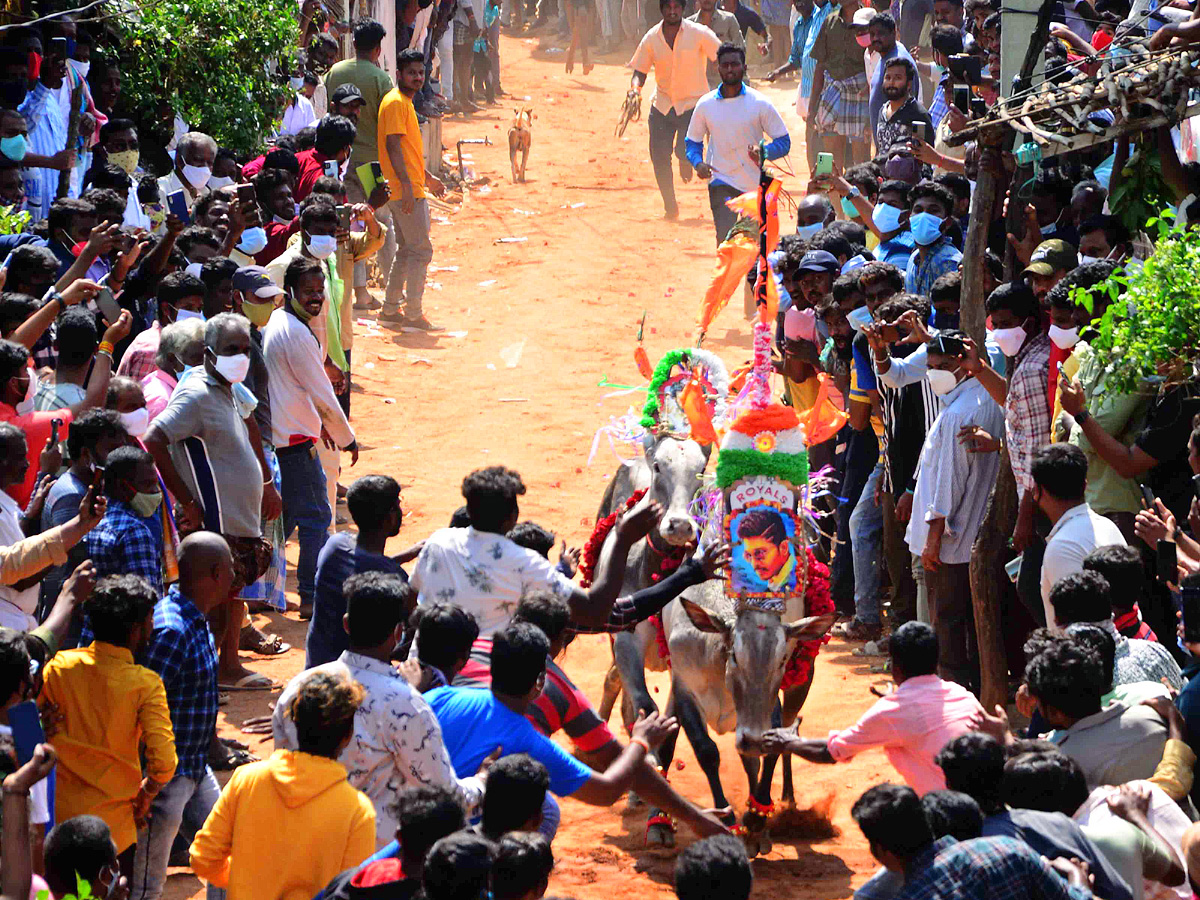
(283, 827)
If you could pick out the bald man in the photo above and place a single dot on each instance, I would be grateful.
(182, 651)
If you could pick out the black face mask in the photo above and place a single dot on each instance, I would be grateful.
(942, 320)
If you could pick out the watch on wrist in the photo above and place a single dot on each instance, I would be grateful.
(853, 193)
(1082, 417)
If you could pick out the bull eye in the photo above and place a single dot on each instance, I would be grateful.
(656, 469)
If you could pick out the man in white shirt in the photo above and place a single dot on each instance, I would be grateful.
(480, 570)
(17, 601)
(300, 112)
(1060, 479)
(397, 741)
(734, 118)
(194, 159)
(679, 52)
(303, 405)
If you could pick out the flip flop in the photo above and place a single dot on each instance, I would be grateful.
(255, 681)
(254, 641)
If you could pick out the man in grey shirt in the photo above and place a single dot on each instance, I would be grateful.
(724, 25)
(209, 452)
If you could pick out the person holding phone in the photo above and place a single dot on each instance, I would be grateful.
(901, 116)
(950, 501)
(734, 119)
(195, 155)
(838, 118)
(334, 141)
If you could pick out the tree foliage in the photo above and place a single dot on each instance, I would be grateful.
(1151, 329)
(210, 61)
(13, 221)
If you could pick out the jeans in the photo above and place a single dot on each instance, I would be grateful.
(866, 541)
(900, 566)
(724, 218)
(862, 453)
(180, 808)
(306, 509)
(414, 253)
(667, 133)
(1029, 581)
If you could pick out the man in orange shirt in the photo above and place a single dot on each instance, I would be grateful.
(402, 157)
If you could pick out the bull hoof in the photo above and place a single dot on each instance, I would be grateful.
(765, 844)
(660, 831)
(634, 801)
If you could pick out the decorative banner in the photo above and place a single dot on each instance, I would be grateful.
(762, 525)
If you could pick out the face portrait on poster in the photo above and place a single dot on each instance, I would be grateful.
(761, 527)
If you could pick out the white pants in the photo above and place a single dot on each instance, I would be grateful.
(445, 53)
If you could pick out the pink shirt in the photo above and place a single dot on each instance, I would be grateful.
(139, 359)
(157, 388)
(911, 725)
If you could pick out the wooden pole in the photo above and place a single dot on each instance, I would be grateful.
(1000, 518)
(64, 177)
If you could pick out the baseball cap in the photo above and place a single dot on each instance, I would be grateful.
(864, 16)
(1050, 256)
(254, 280)
(347, 93)
(820, 261)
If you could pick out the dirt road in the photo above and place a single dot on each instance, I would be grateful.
(534, 326)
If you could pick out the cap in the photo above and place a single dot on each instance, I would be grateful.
(347, 93)
(820, 261)
(854, 262)
(254, 280)
(864, 16)
(1050, 256)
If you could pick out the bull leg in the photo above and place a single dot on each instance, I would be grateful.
(705, 748)
(793, 701)
(612, 690)
(788, 797)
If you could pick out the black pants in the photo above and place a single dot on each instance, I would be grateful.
(724, 218)
(667, 132)
(481, 68)
(954, 621)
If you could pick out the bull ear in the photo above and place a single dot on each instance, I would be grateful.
(811, 628)
(707, 450)
(705, 621)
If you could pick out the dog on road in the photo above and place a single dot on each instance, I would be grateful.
(520, 138)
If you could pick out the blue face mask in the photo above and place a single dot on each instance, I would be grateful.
(808, 232)
(848, 209)
(859, 317)
(254, 241)
(887, 217)
(14, 147)
(926, 228)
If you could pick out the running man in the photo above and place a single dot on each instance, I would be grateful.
(679, 52)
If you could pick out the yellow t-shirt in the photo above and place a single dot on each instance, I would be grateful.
(397, 116)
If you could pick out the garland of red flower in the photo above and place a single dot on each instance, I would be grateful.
(591, 557)
(817, 602)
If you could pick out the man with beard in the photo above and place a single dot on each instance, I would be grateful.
(901, 113)
(883, 42)
(734, 118)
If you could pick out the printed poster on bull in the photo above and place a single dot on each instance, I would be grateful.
(762, 526)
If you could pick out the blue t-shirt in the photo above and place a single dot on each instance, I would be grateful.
(340, 558)
(474, 723)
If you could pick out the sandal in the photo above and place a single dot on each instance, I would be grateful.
(233, 760)
(254, 641)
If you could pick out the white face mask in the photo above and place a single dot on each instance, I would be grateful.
(941, 381)
(1009, 340)
(197, 176)
(233, 368)
(193, 269)
(322, 246)
(859, 317)
(1064, 338)
(25, 405)
(135, 423)
(80, 68)
(184, 314)
(1084, 260)
(216, 183)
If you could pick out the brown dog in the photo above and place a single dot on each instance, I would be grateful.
(520, 138)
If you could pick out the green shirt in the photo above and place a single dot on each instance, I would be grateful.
(1120, 415)
(372, 82)
(837, 50)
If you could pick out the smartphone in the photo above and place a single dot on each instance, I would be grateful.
(962, 99)
(967, 67)
(245, 193)
(108, 305)
(27, 729)
(55, 424)
(59, 46)
(332, 169)
(177, 205)
(1168, 562)
(343, 213)
(377, 172)
(918, 130)
(949, 346)
(1191, 614)
(1147, 496)
(978, 108)
(824, 164)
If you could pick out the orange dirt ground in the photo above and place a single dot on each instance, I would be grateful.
(533, 328)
